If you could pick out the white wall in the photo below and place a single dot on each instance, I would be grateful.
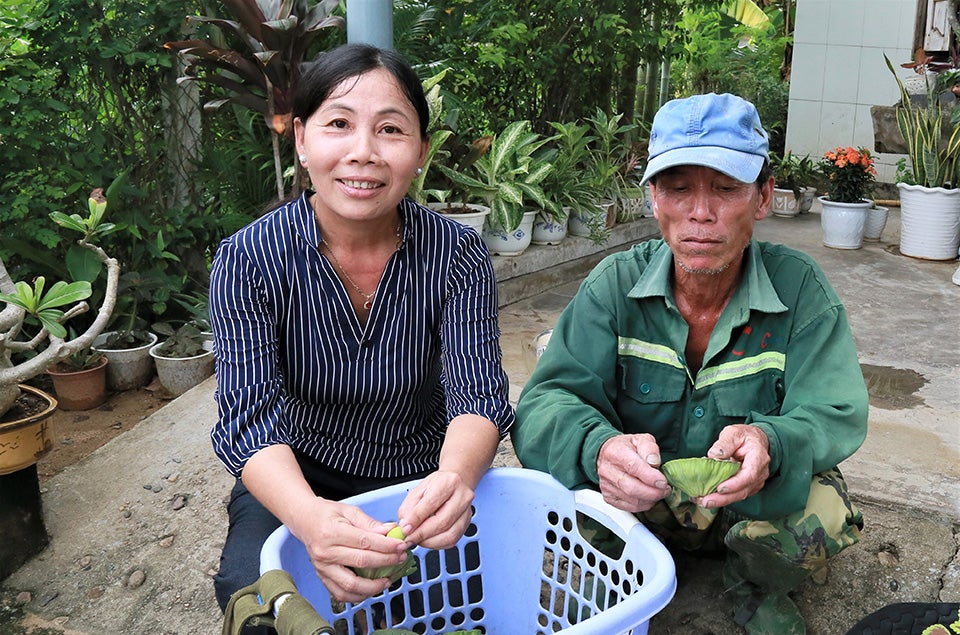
(839, 72)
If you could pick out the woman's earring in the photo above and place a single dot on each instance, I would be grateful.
(418, 171)
(303, 159)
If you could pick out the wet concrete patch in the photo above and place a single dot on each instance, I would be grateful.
(893, 388)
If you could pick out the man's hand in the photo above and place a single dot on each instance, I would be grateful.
(749, 445)
(629, 476)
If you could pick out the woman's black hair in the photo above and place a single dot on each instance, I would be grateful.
(321, 76)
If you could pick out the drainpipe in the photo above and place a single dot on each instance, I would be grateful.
(370, 22)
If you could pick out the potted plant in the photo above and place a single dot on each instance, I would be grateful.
(605, 167)
(184, 358)
(568, 187)
(793, 193)
(506, 177)
(32, 338)
(929, 198)
(80, 380)
(849, 173)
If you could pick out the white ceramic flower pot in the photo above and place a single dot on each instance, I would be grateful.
(807, 196)
(785, 203)
(129, 368)
(876, 221)
(929, 222)
(581, 223)
(548, 231)
(843, 223)
(502, 243)
(473, 218)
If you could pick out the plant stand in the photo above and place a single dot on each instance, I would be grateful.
(24, 438)
(21, 519)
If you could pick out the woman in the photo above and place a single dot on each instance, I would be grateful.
(357, 341)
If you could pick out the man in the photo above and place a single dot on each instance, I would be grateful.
(709, 343)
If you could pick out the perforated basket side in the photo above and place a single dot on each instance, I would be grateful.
(521, 567)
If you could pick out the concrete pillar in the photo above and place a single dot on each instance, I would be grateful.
(370, 22)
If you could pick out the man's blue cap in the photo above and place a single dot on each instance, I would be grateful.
(722, 132)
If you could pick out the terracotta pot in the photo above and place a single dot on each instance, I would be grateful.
(80, 389)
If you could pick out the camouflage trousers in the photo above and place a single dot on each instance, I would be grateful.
(774, 553)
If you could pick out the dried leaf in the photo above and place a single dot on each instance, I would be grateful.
(698, 476)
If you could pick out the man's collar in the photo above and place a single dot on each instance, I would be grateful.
(656, 277)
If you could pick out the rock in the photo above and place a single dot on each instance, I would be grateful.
(148, 486)
(127, 513)
(179, 502)
(95, 593)
(85, 562)
(23, 597)
(166, 541)
(888, 559)
(136, 579)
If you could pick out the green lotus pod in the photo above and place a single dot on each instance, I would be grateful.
(393, 571)
(698, 476)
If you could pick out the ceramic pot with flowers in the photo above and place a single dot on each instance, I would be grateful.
(849, 172)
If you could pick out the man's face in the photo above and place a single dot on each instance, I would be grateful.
(707, 217)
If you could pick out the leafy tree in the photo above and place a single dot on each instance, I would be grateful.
(276, 37)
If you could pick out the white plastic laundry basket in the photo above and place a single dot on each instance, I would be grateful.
(522, 568)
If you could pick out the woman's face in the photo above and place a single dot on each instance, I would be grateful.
(362, 147)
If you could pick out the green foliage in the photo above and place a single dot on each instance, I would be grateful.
(187, 340)
(792, 172)
(718, 54)
(45, 306)
(507, 176)
(934, 157)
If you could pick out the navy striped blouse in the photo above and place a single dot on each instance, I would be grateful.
(296, 367)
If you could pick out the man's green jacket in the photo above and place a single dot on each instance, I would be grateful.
(781, 357)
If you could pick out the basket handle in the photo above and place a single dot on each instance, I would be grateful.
(591, 502)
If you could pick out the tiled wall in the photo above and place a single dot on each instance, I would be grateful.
(839, 73)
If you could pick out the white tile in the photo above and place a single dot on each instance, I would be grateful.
(846, 22)
(811, 26)
(836, 124)
(863, 128)
(806, 76)
(876, 85)
(803, 127)
(840, 73)
(908, 18)
(882, 24)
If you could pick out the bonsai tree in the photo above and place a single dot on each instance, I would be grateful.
(34, 316)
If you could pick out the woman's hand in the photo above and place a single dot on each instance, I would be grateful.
(437, 511)
(340, 536)
(630, 478)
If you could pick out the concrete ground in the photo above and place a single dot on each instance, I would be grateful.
(136, 528)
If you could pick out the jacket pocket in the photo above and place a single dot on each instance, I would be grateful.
(761, 393)
(651, 400)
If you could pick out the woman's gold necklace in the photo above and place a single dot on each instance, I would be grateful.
(367, 297)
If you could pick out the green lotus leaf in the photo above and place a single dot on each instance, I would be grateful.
(394, 572)
(698, 476)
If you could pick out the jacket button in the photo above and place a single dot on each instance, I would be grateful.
(698, 412)
(645, 388)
